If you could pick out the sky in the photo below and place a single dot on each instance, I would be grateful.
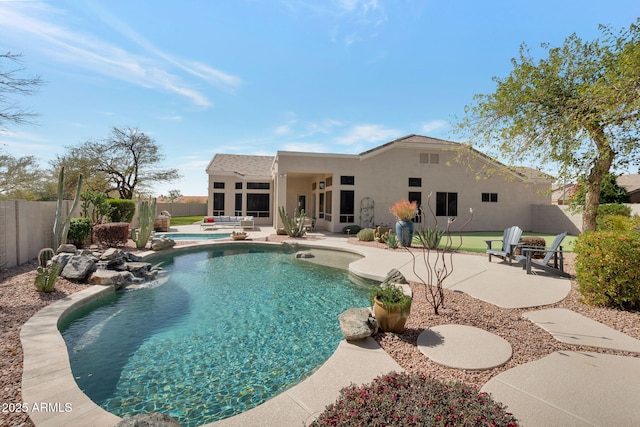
(258, 76)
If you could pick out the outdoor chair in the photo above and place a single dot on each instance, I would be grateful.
(510, 240)
(553, 261)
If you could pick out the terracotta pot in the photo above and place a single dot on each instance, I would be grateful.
(391, 321)
(239, 236)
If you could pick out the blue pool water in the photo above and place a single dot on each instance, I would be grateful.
(196, 236)
(233, 326)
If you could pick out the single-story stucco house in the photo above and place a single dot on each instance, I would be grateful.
(337, 190)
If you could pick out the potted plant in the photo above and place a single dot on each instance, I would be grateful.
(391, 307)
(404, 211)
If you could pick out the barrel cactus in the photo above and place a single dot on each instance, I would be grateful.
(44, 256)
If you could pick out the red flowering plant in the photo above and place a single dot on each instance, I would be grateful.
(404, 399)
(404, 210)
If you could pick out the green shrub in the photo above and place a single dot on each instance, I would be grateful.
(111, 234)
(122, 210)
(402, 399)
(366, 235)
(79, 231)
(618, 223)
(613, 209)
(351, 229)
(608, 268)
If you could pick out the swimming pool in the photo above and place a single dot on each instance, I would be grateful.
(233, 326)
(195, 236)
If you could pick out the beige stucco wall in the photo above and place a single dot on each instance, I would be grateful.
(383, 176)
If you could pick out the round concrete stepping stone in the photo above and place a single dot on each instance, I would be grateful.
(464, 347)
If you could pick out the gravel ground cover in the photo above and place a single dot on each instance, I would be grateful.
(19, 301)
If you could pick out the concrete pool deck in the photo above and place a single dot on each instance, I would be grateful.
(572, 388)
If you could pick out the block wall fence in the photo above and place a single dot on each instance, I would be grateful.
(26, 227)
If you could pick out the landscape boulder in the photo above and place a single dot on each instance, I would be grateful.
(160, 243)
(357, 324)
(78, 268)
(109, 278)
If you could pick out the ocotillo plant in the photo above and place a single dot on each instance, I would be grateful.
(146, 217)
(61, 225)
(437, 260)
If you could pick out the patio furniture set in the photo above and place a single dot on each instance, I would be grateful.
(553, 261)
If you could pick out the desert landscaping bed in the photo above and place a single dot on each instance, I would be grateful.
(19, 301)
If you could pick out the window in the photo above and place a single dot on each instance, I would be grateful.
(327, 209)
(490, 197)
(433, 158)
(416, 196)
(329, 181)
(238, 207)
(415, 182)
(446, 204)
(347, 180)
(258, 205)
(258, 186)
(218, 204)
(219, 185)
(238, 186)
(347, 205)
(321, 204)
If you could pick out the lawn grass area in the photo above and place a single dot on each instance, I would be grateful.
(185, 220)
(474, 241)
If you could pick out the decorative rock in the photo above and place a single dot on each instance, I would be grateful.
(357, 324)
(67, 248)
(155, 419)
(108, 278)
(304, 254)
(78, 268)
(394, 276)
(132, 257)
(111, 254)
(138, 268)
(160, 243)
(62, 259)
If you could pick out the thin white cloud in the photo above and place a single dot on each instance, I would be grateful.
(305, 147)
(37, 22)
(297, 128)
(368, 133)
(434, 125)
(349, 21)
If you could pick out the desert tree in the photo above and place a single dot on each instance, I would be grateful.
(13, 84)
(578, 108)
(127, 162)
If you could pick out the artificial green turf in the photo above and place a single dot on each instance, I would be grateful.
(185, 220)
(474, 241)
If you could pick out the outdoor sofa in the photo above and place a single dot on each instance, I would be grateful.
(244, 222)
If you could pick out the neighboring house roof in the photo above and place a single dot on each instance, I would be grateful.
(630, 182)
(242, 165)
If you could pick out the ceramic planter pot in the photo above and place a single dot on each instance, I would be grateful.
(392, 320)
(404, 230)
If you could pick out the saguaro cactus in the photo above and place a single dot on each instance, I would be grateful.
(146, 217)
(60, 225)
